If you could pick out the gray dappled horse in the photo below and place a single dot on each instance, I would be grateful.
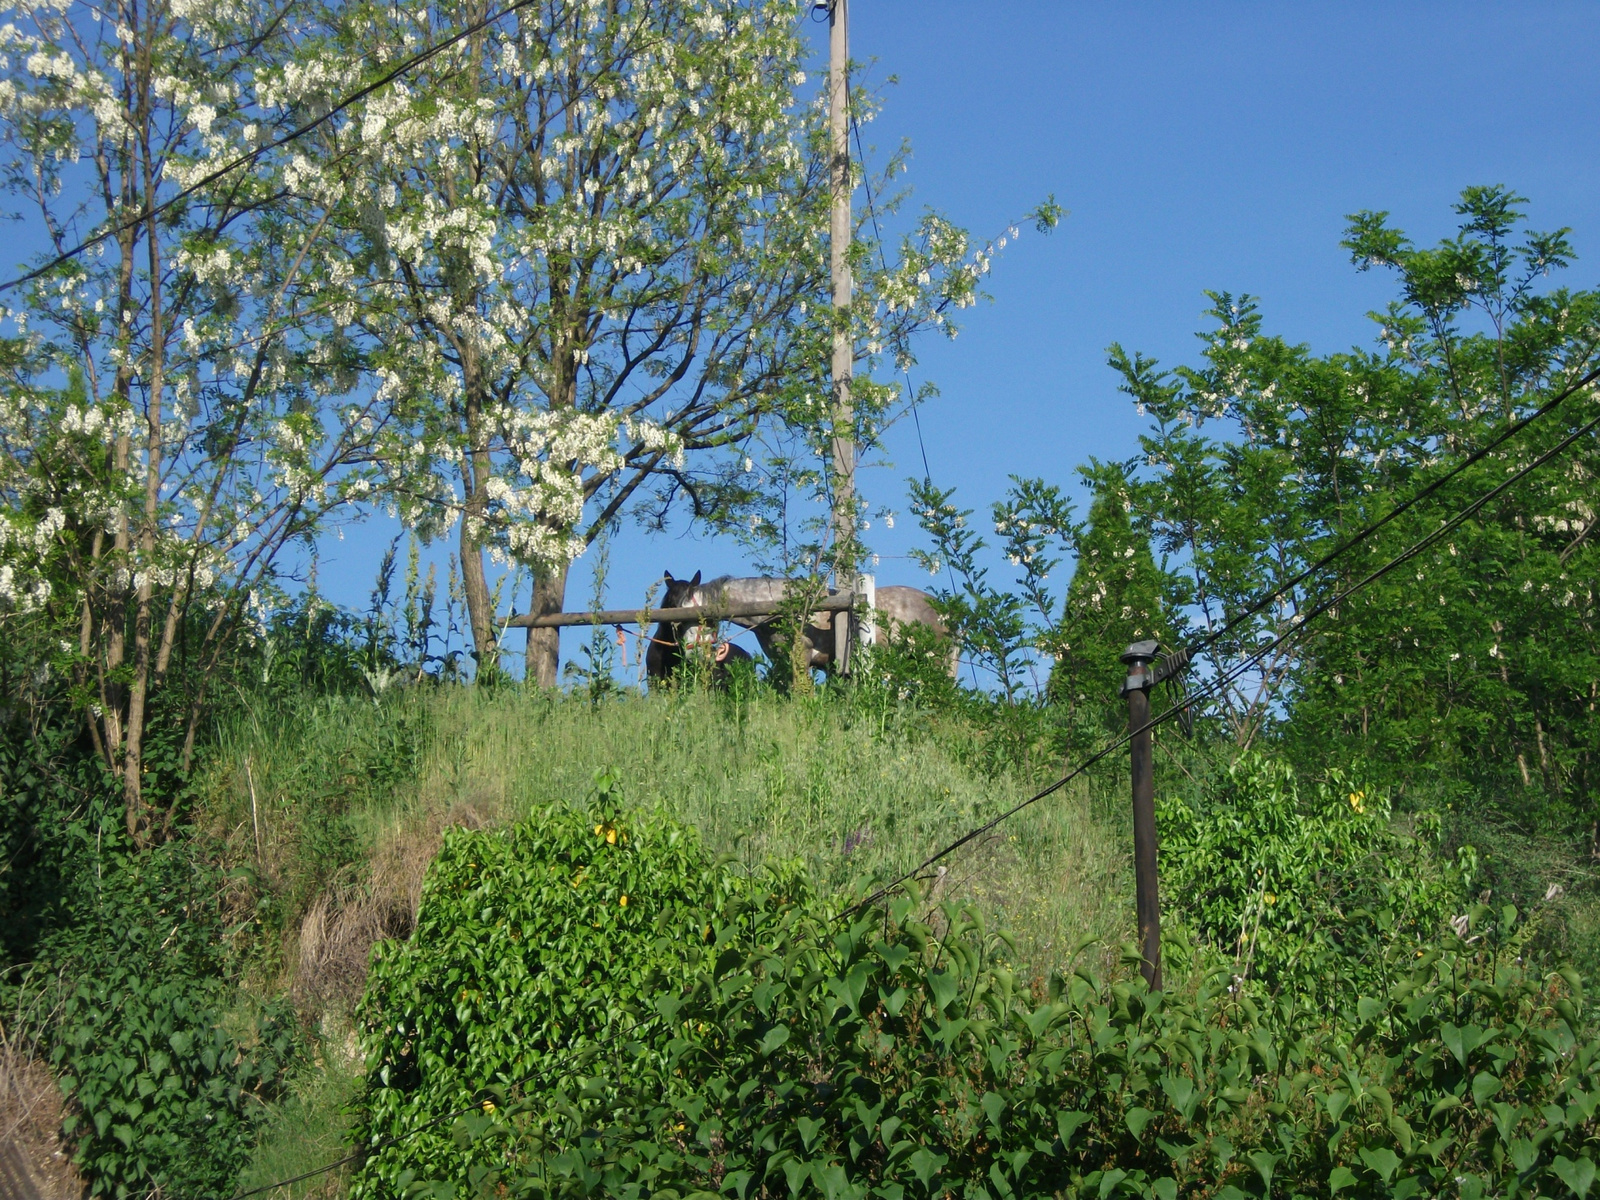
(892, 606)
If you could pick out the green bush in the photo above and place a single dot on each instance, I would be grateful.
(529, 942)
(165, 1069)
(1304, 891)
(165, 1098)
(725, 1035)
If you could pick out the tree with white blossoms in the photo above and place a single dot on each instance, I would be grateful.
(587, 249)
(168, 423)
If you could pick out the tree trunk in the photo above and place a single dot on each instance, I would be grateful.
(138, 695)
(544, 645)
(480, 608)
(475, 474)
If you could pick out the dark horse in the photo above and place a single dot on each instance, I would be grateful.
(670, 642)
(891, 606)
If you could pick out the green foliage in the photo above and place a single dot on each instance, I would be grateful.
(998, 629)
(165, 1096)
(1114, 600)
(1304, 892)
(529, 943)
(1473, 668)
(757, 1047)
(164, 1067)
(164, 1076)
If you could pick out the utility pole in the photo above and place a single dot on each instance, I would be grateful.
(1141, 678)
(844, 444)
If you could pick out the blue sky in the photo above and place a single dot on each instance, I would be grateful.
(1196, 146)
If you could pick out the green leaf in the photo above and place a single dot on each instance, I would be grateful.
(1109, 1181)
(1382, 1160)
(808, 1127)
(796, 1172)
(1265, 1162)
(1484, 1086)
(925, 1164)
(1578, 1174)
(774, 1037)
(943, 986)
(1067, 1124)
(1340, 1178)
(1336, 1102)
(1462, 1042)
(1164, 1189)
(993, 1106)
(1136, 1119)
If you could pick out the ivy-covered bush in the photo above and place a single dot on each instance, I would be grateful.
(728, 1035)
(1305, 890)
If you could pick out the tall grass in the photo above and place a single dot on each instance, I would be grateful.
(855, 793)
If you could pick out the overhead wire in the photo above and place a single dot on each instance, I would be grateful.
(1296, 628)
(382, 81)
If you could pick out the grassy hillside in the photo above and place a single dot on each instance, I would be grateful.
(335, 806)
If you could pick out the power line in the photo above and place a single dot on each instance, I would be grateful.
(388, 77)
(1510, 431)
(1222, 680)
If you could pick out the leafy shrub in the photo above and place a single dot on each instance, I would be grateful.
(166, 1097)
(723, 1035)
(888, 1060)
(164, 1076)
(1303, 891)
(529, 942)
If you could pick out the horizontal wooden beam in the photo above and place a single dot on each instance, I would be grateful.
(840, 602)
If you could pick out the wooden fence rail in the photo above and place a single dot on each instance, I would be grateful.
(839, 602)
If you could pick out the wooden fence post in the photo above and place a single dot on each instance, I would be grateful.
(1147, 895)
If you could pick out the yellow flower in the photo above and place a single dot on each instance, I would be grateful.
(1358, 801)
(623, 901)
(1271, 897)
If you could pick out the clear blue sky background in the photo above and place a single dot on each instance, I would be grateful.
(1196, 146)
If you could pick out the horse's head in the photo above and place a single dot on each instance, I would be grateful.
(680, 592)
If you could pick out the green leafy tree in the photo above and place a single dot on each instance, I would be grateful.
(1115, 598)
(174, 406)
(1474, 666)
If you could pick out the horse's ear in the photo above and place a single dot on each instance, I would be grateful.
(695, 582)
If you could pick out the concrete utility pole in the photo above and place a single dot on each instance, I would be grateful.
(844, 444)
(1147, 896)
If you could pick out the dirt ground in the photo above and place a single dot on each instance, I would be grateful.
(30, 1121)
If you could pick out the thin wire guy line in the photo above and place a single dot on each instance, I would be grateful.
(1225, 678)
(250, 156)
